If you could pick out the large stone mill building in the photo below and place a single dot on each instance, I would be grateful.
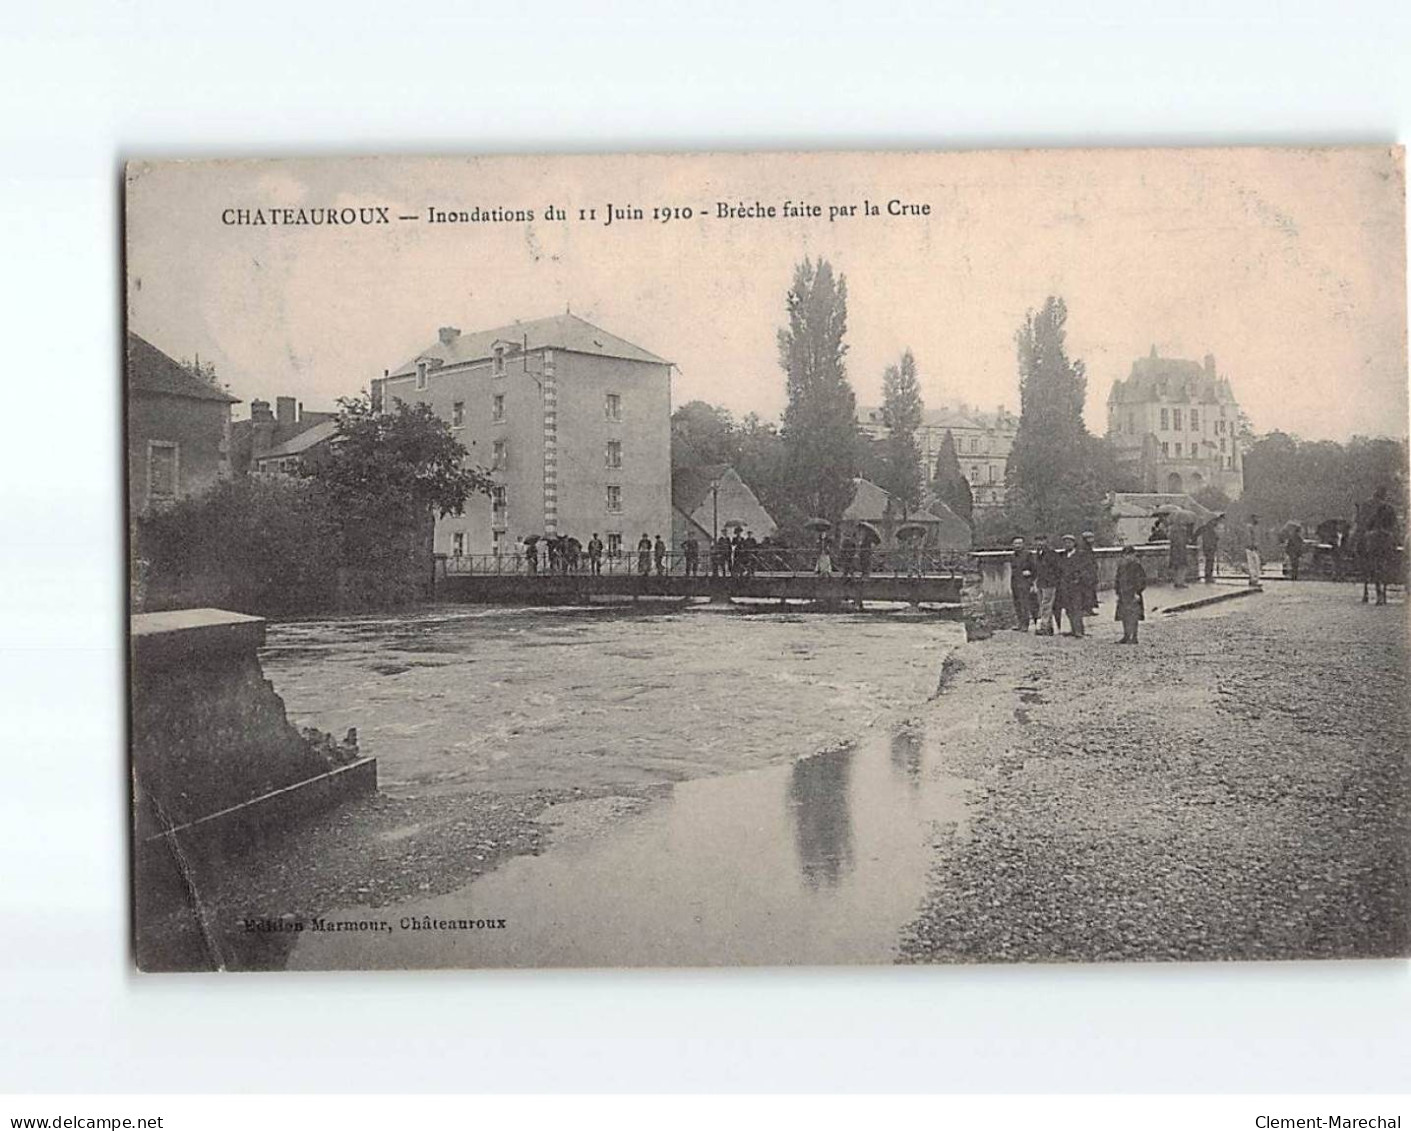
(1174, 425)
(574, 424)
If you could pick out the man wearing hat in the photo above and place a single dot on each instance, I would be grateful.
(1048, 571)
(1071, 598)
(1209, 538)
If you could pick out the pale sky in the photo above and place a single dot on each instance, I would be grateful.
(1287, 265)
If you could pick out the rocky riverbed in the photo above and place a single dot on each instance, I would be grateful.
(1235, 787)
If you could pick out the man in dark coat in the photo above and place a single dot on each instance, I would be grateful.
(1293, 546)
(691, 549)
(720, 557)
(1021, 585)
(1131, 580)
(1209, 538)
(1048, 572)
(659, 550)
(1179, 558)
(750, 547)
(644, 555)
(595, 554)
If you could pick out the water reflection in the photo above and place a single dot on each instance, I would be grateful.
(906, 754)
(819, 804)
(705, 875)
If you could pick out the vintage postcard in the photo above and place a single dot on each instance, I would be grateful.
(761, 559)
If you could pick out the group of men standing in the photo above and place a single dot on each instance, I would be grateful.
(1049, 582)
(730, 556)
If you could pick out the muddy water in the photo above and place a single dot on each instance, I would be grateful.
(820, 861)
(519, 700)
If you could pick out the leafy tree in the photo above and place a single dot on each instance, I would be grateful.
(354, 529)
(388, 474)
(901, 413)
(1058, 474)
(1212, 498)
(1286, 478)
(254, 544)
(703, 433)
(203, 371)
(948, 483)
(762, 463)
(820, 422)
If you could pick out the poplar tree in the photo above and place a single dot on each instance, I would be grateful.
(1057, 475)
(948, 483)
(901, 413)
(820, 421)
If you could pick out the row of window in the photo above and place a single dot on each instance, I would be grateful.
(1166, 447)
(497, 367)
(1167, 451)
(1175, 420)
(497, 411)
(499, 455)
(612, 410)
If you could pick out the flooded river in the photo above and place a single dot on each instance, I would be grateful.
(798, 788)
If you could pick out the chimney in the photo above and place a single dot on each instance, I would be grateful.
(286, 411)
(448, 334)
(261, 428)
(1210, 365)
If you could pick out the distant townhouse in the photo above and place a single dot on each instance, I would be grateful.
(982, 442)
(1174, 427)
(573, 423)
(273, 442)
(178, 429)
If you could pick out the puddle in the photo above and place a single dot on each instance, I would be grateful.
(822, 861)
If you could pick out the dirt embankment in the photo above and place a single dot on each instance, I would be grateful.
(1234, 787)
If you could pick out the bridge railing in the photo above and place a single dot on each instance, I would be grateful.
(676, 563)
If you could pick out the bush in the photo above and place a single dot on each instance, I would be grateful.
(267, 546)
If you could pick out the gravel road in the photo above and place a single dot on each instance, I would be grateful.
(1235, 787)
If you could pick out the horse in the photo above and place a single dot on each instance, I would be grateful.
(1375, 550)
(1380, 551)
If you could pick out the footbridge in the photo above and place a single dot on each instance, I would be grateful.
(500, 580)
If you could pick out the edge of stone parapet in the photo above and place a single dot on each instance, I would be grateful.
(1202, 602)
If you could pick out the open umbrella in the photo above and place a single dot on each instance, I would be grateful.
(909, 530)
(530, 539)
(820, 525)
(868, 532)
(1177, 516)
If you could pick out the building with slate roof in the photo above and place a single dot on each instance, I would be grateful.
(573, 423)
(178, 429)
(945, 530)
(1174, 427)
(274, 441)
